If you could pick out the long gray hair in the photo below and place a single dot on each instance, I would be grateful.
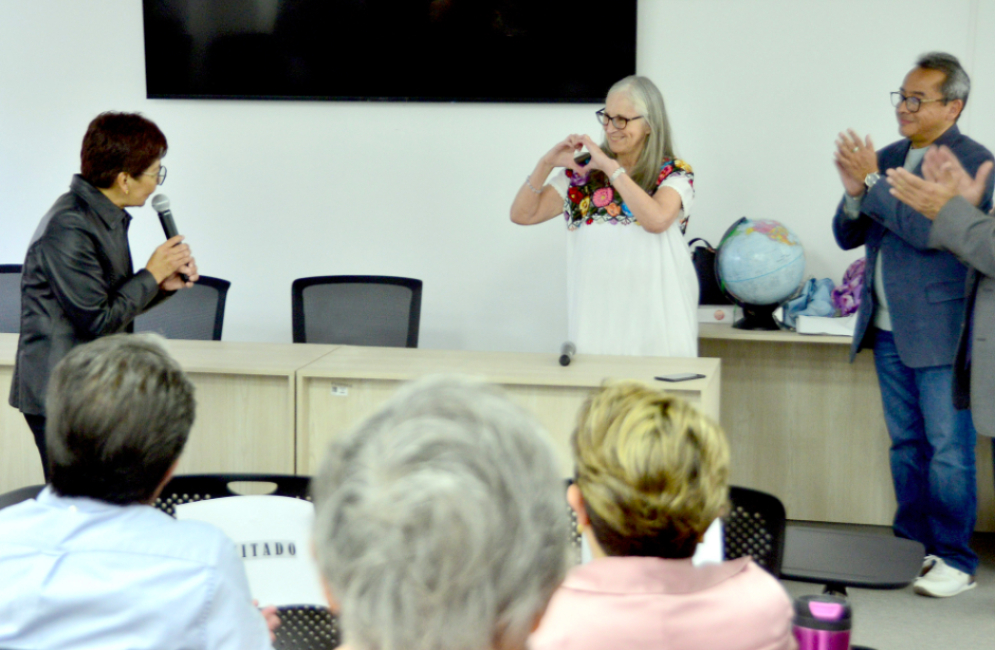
(441, 521)
(648, 102)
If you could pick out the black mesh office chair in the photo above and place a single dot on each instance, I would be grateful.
(357, 310)
(188, 488)
(197, 313)
(302, 627)
(10, 298)
(755, 526)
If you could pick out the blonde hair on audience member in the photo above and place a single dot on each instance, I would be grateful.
(653, 471)
(440, 521)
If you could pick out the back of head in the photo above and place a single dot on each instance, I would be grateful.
(119, 142)
(653, 471)
(441, 521)
(956, 83)
(119, 412)
(648, 102)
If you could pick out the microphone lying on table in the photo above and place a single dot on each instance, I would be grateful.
(567, 353)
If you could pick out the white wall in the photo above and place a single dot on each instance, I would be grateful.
(271, 191)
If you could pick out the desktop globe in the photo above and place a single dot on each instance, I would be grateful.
(759, 265)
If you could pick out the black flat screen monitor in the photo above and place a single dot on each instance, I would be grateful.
(390, 50)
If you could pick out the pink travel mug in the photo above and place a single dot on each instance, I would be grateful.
(822, 623)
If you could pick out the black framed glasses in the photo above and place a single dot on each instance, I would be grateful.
(912, 103)
(160, 176)
(617, 121)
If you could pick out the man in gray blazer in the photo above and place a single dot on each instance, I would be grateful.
(948, 195)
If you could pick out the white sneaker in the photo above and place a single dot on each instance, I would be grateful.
(942, 580)
(927, 563)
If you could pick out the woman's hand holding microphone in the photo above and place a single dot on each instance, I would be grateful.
(171, 259)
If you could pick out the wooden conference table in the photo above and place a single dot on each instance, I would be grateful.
(266, 407)
(245, 409)
(803, 422)
(343, 387)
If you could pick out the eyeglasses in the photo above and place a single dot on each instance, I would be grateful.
(911, 103)
(160, 176)
(617, 121)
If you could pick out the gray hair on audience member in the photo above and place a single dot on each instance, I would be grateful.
(956, 84)
(441, 521)
(119, 413)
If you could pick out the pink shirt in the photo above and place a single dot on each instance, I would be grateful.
(656, 604)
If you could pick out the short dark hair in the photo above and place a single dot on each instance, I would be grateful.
(956, 84)
(119, 142)
(119, 413)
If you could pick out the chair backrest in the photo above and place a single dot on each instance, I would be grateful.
(197, 313)
(302, 627)
(307, 628)
(189, 488)
(357, 310)
(10, 298)
(755, 526)
(18, 495)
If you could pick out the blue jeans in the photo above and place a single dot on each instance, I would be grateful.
(932, 456)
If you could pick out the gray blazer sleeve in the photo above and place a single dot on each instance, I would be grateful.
(967, 232)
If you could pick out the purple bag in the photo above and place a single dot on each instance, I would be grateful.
(846, 295)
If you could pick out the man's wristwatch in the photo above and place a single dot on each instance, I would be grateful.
(871, 179)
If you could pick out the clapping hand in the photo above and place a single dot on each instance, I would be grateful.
(944, 179)
(855, 159)
(941, 166)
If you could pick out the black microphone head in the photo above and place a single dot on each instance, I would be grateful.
(160, 203)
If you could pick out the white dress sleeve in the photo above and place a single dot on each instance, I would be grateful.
(681, 182)
(560, 183)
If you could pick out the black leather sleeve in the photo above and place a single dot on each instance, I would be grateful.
(97, 298)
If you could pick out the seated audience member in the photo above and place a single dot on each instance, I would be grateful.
(89, 563)
(440, 522)
(652, 474)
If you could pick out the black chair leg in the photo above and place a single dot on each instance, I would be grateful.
(835, 589)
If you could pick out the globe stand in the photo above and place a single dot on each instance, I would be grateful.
(757, 317)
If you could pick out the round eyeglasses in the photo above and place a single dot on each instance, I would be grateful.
(160, 176)
(617, 121)
(912, 103)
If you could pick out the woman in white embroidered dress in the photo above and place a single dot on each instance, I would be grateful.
(632, 288)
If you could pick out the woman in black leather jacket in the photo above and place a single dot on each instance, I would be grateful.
(78, 282)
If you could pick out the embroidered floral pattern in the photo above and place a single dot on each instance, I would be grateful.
(591, 199)
(603, 196)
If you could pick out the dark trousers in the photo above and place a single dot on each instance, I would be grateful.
(37, 424)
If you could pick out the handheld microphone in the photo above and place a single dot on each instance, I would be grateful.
(567, 353)
(160, 203)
